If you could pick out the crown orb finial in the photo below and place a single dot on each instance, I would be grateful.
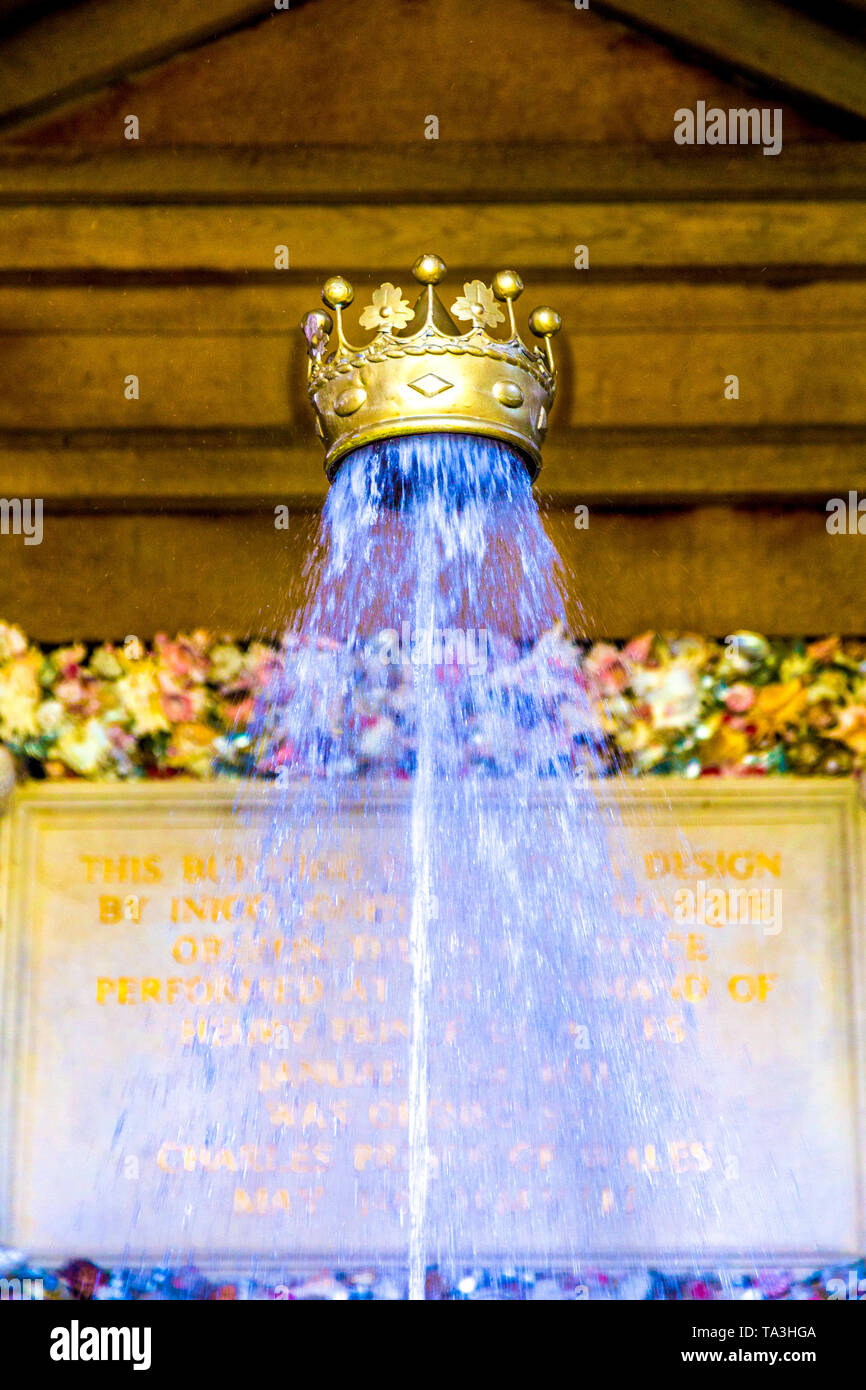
(507, 284)
(545, 321)
(429, 269)
(317, 327)
(337, 293)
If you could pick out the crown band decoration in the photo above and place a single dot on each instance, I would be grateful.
(421, 374)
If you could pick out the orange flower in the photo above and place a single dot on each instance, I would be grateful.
(851, 728)
(778, 705)
(824, 650)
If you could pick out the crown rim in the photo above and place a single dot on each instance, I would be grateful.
(433, 424)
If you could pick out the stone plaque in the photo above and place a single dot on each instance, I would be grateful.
(194, 1067)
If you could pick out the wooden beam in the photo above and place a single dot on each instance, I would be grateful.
(655, 378)
(72, 52)
(712, 569)
(768, 40)
(362, 238)
(587, 304)
(473, 173)
(709, 569)
(629, 467)
(605, 467)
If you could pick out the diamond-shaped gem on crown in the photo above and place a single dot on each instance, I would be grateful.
(430, 384)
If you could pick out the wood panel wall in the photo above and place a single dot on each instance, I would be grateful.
(157, 259)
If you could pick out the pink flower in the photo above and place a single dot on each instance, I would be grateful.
(739, 723)
(121, 739)
(68, 659)
(699, 1290)
(180, 706)
(448, 673)
(177, 706)
(284, 756)
(607, 669)
(241, 712)
(739, 697)
(184, 658)
(773, 1283)
(80, 697)
(639, 648)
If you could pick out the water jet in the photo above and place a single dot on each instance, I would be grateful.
(432, 439)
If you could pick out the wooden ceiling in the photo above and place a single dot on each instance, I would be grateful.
(306, 128)
(56, 56)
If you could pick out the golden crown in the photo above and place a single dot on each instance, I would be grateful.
(420, 373)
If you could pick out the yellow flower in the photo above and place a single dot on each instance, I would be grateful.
(83, 748)
(50, 716)
(691, 649)
(829, 685)
(477, 303)
(226, 662)
(20, 696)
(12, 641)
(389, 309)
(140, 694)
(795, 664)
(649, 756)
(104, 663)
(67, 656)
(635, 738)
(613, 712)
(192, 749)
(726, 747)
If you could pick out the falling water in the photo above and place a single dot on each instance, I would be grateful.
(511, 874)
(419, 938)
(430, 1025)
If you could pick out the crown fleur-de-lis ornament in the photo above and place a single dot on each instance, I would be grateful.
(421, 373)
